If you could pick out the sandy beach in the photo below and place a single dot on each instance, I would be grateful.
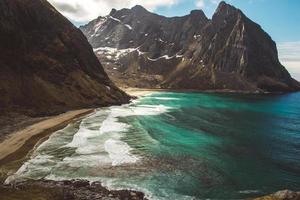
(25, 139)
(38, 130)
(138, 92)
(19, 143)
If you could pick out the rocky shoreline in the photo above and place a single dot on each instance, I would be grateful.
(85, 190)
(68, 190)
(281, 195)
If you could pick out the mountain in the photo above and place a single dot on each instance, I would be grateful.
(46, 64)
(227, 52)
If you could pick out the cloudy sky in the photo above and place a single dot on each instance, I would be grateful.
(280, 18)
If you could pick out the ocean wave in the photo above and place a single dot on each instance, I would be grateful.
(94, 143)
(250, 191)
(119, 152)
(116, 184)
(165, 98)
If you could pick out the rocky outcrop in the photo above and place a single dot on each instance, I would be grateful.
(46, 64)
(228, 52)
(68, 190)
(281, 195)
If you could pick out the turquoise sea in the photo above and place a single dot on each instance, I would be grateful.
(180, 146)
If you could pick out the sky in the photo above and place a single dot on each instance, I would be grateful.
(279, 18)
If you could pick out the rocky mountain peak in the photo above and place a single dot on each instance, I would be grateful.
(224, 7)
(113, 11)
(225, 11)
(198, 14)
(189, 52)
(138, 8)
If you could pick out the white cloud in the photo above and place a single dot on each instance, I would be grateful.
(82, 11)
(203, 3)
(200, 4)
(289, 55)
(215, 1)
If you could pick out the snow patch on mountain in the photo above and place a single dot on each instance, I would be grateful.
(114, 53)
(115, 19)
(128, 26)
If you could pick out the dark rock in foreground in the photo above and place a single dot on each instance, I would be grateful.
(282, 195)
(228, 52)
(65, 190)
(46, 64)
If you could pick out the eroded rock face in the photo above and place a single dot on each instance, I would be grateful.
(229, 51)
(46, 64)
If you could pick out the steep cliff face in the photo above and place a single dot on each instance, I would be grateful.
(229, 51)
(138, 28)
(237, 50)
(46, 64)
(139, 48)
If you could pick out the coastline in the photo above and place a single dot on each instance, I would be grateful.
(19, 143)
(14, 151)
(17, 140)
(25, 139)
(140, 92)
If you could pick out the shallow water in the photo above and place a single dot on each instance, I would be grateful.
(181, 146)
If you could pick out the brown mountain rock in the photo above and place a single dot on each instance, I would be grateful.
(46, 64)
(228, 52)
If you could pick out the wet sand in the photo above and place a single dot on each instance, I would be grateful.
(21, 139)
(138, 92)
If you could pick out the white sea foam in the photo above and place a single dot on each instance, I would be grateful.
(30, 166)
(249, 191)
(96, 144)
(80, 139)
(16, 175)
(119, 152)
(111, 124)
(165, 98)
(108, 137)
(91, 160)
(114, 184)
